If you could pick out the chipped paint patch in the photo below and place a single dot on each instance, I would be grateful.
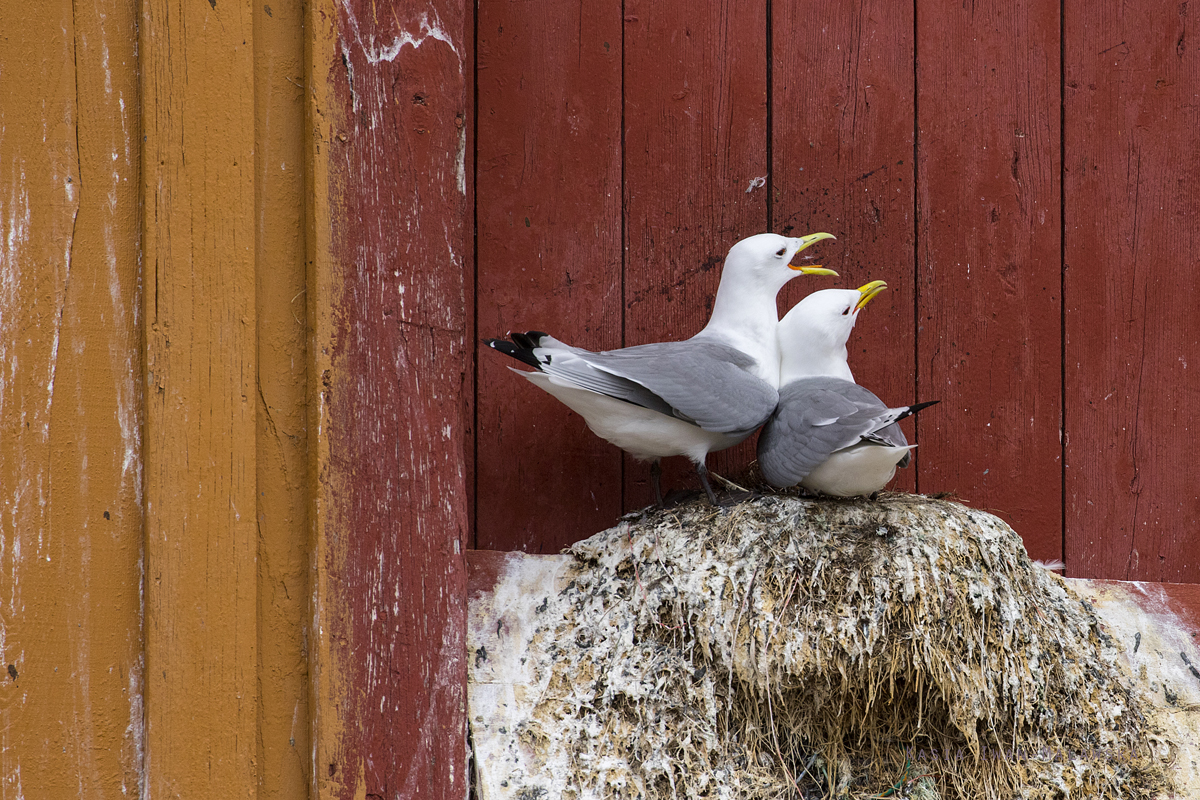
(428, 26)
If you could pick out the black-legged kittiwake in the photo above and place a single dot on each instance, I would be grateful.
(688, 397)
(828, 434)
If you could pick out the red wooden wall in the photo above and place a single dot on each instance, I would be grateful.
(1024, 176)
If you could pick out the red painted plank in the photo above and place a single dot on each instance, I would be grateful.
(469, 317)
(842, 152)
(391, 500)
(1132, 363)
(549, 258)
(695, 137)
(989, 261)
(484, 568)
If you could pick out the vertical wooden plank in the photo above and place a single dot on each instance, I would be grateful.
(842, 161)
(549, 258)
(284, 751)
(470, 321)
(388, 116)
(695, 139)
(199, 307)
(1132, 163)
(989, 312)
(70, 469)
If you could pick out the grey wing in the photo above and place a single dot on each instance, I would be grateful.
(891, 435)
(815, 418)
(707, 383)
(572, 364)
(881, 421)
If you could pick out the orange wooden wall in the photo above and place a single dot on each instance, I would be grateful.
(1024, 176)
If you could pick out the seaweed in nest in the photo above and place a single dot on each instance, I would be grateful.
(812, 648)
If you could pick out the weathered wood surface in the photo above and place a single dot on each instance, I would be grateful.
(989, 261)
(70, 420)
(549, 258)
(284, 751)
(154, 424)
(695, 138)
(842, 162)
(201, 535)
(386, 243)
(708, 100)
(1132, 333)
(931, 139)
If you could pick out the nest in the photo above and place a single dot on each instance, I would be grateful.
(801, 648)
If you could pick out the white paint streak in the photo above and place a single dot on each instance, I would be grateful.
(135, 732)
(104, 65)
(460, 160)
(122, 352)
(15, 221)
(17, 779)
(426, 29)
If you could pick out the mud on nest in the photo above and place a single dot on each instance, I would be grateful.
(802, 648)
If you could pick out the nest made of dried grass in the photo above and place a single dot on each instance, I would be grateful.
(788, 647)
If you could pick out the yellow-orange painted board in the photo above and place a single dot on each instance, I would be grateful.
(284, 751)
(201, 396)
(70, 480)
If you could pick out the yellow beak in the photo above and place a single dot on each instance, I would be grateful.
(867, 292)
(805, 242)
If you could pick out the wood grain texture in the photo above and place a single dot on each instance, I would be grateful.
(842, 161)
(388, 115)
(549, 258)
(470, 317)
(1132, 352)
(989, 311)
(70, 469)
(200, 467)
(695, 138)
(284, 757)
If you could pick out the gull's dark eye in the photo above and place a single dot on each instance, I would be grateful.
(847, 311)
(782, 251)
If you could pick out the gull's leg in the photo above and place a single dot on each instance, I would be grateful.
(702, 471)
(655, 478)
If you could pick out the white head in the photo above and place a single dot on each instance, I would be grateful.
(756, 268)
(813, 335)
(765, 260)
(744, 313)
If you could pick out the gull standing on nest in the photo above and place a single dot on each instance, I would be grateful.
(828, 434)
(689, 397)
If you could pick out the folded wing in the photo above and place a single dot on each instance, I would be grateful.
(819, 416)
(706, 383)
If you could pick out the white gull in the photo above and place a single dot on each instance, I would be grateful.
(828, 434)
(689, 397)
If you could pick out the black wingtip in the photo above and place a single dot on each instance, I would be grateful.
(918, 406)
(529, 339)
(915, 407)
(520, 348)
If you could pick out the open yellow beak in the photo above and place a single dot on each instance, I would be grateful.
(868, 291)
(815, 269)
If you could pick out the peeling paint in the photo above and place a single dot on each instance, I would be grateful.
(460, 162)
(426, 29)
